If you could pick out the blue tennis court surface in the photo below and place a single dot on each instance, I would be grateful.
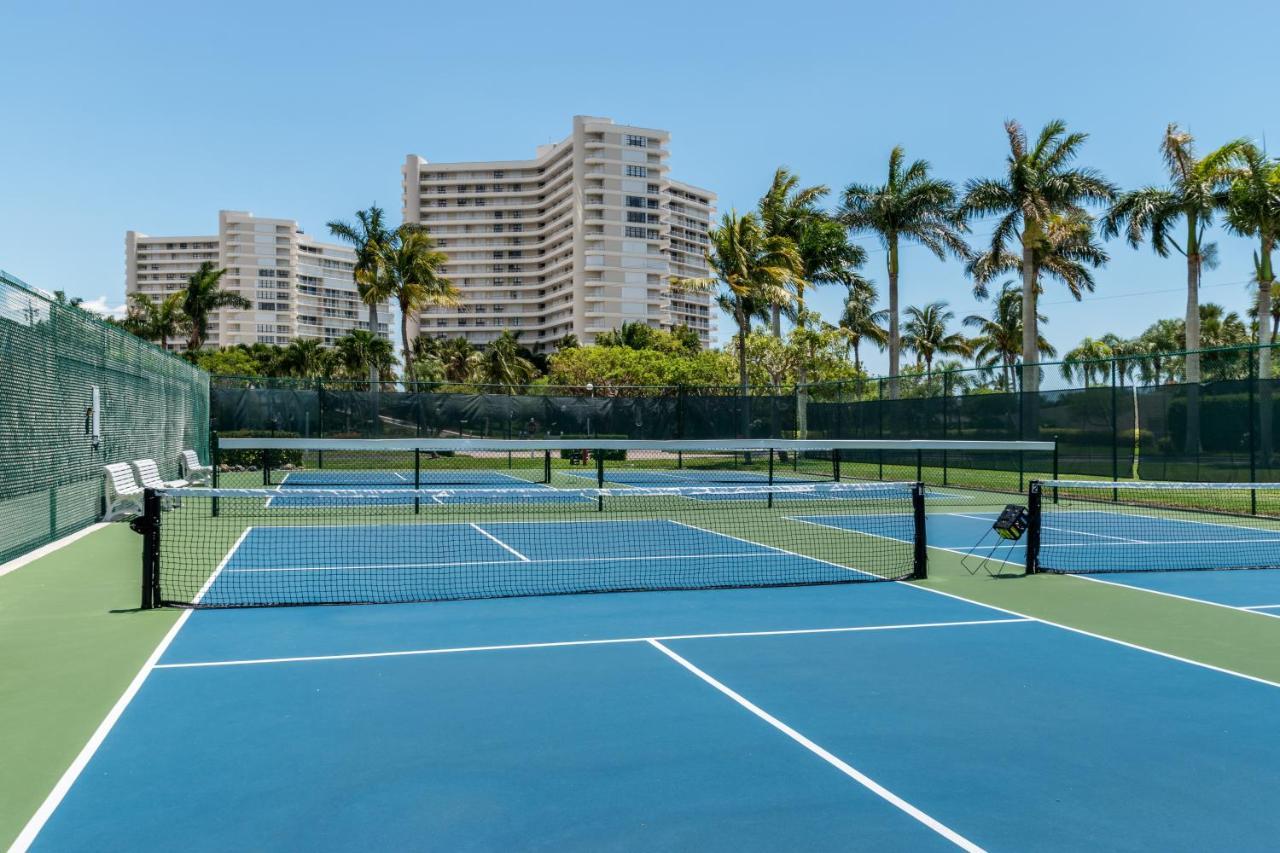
(382, 479)
(878, 717)
(693, 477)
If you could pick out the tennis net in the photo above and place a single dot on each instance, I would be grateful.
(1088, 526)
(257, 547)
(953, 466)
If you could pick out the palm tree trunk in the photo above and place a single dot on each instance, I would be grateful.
(408, 350)
(1030, 329)
(895, 343)
(775, 320)
(857, 359)
(373, 328)
(744, 325)
(1192, 341)
(1265, 280)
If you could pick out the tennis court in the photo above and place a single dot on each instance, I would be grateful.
(825, 717)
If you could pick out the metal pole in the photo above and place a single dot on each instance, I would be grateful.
(1253, 431)
(921, 551)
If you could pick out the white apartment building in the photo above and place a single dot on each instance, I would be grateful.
(300, 288)
(579, 240)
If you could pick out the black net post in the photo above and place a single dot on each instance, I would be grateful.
(1253, 430)
(771, 475)
(215, 459)
(600, 478)
(1034, 498)
(1115, 424)
(835, 465)
(920, 465)
(149, 526)
(546, 466)
(920, 556)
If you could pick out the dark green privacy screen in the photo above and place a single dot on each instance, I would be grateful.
(52, 443)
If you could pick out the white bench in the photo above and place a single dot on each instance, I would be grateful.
(124, 495)
(149, 475)
(190, 468)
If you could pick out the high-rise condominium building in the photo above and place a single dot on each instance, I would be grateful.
(579, 240)
(300, 288)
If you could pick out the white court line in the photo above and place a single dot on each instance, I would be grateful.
(44, 550)
(68, 778)
(1051, 527)
(1164, 519)
(836, 762)
(1123, 585)
(553, 561)
(487, 535)
(611, 641)
(1263, 607)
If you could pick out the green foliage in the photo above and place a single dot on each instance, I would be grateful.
(608, 369)
(233, 361)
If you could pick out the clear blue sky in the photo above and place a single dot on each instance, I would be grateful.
(155, 116)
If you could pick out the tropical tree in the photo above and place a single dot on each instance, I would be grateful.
(756, 269)
(201, 297)
(925, 333)
(1159, 344)
(361, 352)
(408, 270)
(999, 338)
(306, 358)
(859, 320)
(459, 358)
(827, 257)
(1090, 360)
(569, 341)
(634, 335)
(910, 206)
(61, 298)
(1040, 200)
(366, 235)
(1253, 210)
(502, 363)
(156, 319)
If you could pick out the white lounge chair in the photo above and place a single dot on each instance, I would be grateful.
(149, 475)
(191, 469)
(124, 495)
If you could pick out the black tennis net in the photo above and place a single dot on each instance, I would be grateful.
(1088, 526)
(255, 547)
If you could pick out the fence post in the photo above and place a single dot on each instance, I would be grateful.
(1253, 431)
(1115, 426)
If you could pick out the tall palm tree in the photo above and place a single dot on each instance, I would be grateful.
(502, 364)
(202, 296)
(61, 298)
(859, 320)
(459, 358)
(408, 270)
(361, 352)
(156, 320)
(1090, 360)
(366, 235)
(1253, 210)
(306, 358)
(1039, 193)
(999, 339)
(790, 211)
(925, 333)
(912, 206)
(756, 269)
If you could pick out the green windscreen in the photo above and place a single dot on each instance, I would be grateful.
(151, 405)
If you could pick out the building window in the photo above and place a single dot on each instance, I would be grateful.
(635, 201)
(653, 189)
(637, 141)
(637, 172)
(631, 231)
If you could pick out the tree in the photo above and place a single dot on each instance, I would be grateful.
(860, 320)
(502, 364)
(201, 297)
(361, 352)
(910, 206)
(925, 333)
(569, 341)
(232, 361)
(1040, 201)
(156, 320)
(756, 269)
(61, 298)
(999, 339)
(1089, 360)
(1253, 210)
(459, 359)
(634, 335)
(408, 269)
(366, 235)
(306, 358)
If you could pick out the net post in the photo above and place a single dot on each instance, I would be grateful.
(215, 459)
(266, 468)
(920, 466)
(599, 479)
(770, 502)
(417, 481)
(920, 555)
(149, 526)
(1253, 431)
(835, 465)
(1034, 508)
(546, 466)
